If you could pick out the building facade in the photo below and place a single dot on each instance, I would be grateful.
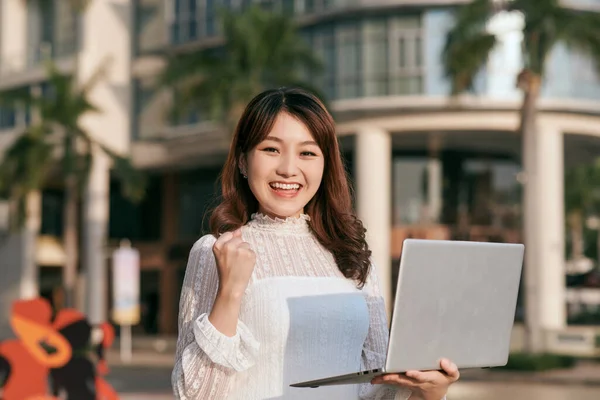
(423, 164)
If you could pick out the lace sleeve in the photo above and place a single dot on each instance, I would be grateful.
(375, 347)
(206, 360)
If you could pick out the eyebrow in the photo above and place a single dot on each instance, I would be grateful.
(276, 139)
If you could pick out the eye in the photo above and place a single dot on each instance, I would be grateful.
(270, 149)
(308, 153)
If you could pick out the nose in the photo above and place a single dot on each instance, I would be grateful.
(287, 166)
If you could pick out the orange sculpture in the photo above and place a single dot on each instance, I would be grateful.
(59, 350)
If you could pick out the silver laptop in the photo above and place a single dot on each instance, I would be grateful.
(455, 300)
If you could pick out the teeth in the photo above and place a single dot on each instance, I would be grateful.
(285, 186)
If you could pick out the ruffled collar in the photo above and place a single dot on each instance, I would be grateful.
(289, 224)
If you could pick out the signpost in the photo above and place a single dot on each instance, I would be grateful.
(126, 294)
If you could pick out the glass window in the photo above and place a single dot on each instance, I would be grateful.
(184, 27)
(192, 20)
(52, 212)
(288, 7)
(324, 47)
(210, 13)
(402, 53)
(349, 62)
(136, 221)
(197, 192)
(309, 6)
(244, 4)
(327, 4)
(8, 118)
(418, 51)
(408, 191)
(406, 56)
(142, 96)
(65, 30)
(268, 5)
(375, 58)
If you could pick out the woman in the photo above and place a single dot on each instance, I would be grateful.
(283, 289)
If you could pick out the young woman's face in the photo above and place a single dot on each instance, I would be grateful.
(284, 170)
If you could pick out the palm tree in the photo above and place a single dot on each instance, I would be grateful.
(546, 23)
(57, 131)
(261, 50)
(23, 170)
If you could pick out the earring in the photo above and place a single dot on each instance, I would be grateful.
(244, 175)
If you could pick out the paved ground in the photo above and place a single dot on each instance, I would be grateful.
(153, 383)
(148, 378)
(521, 391)
(473, 391)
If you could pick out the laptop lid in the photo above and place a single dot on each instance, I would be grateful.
(455, 300)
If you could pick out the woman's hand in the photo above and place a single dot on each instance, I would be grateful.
(235, 263)
(425, 385)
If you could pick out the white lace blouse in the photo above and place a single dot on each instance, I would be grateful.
(300, 319)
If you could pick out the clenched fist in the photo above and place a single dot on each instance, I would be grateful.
(235, 262)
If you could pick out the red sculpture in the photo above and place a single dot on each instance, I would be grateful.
(59, 350)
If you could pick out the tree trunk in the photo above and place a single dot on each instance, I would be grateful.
(576, 226)
(530, 83)
(70, 238)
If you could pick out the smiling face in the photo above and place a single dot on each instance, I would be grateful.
(285, 169)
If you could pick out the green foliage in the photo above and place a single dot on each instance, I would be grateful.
(547, 23)
(56, 129)
(538, 362)
(261, 50)
(582, 188)
(24, 168)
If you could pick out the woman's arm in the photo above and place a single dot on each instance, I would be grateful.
(207, 359)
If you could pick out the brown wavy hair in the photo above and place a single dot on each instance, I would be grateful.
(332, 219)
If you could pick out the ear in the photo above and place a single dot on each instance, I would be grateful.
(243, 164)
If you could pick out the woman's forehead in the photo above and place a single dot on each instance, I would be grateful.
(289, 129)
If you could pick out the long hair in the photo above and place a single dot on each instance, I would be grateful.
(332, 218)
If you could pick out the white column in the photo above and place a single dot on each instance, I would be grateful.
(106, 39)
(374, 199)
(96, 226)
(550, 227)
(545, 291)
(434, 189)
(13, 37)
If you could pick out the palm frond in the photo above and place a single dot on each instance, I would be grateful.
(261, 50)
(580, 30)
(468, 45)
(25, 163)
(544, 20)
(464, 59)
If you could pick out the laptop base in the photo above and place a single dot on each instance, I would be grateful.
(347, 379)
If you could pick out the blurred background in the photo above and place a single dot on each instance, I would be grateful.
(457, 120)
